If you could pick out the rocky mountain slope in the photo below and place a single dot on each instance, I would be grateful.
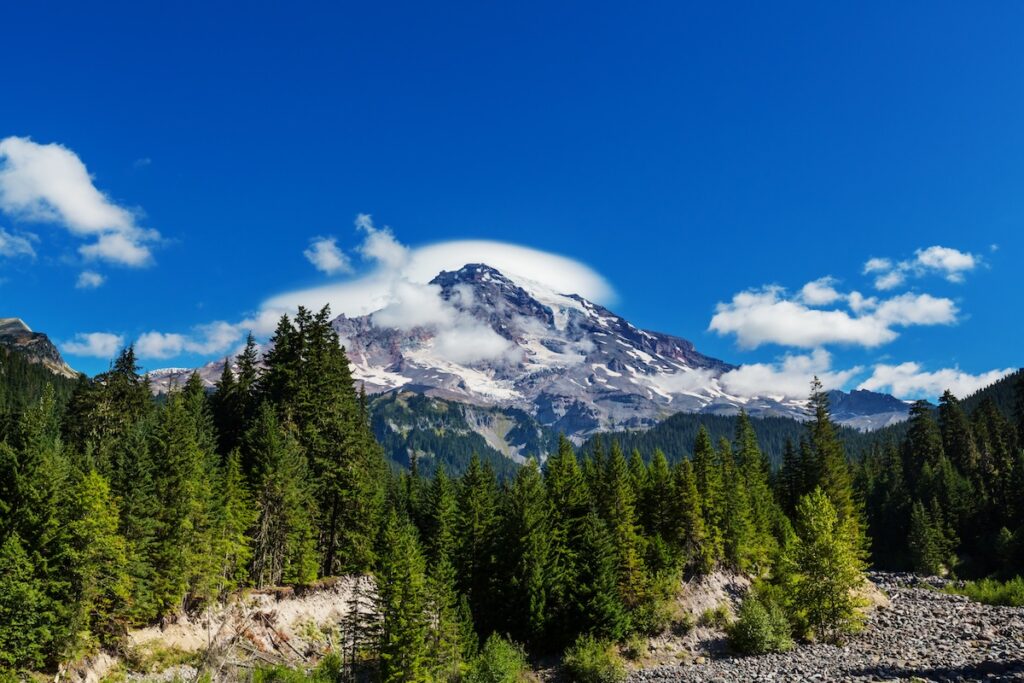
(36, 346)
(522, 359)
(573, 365)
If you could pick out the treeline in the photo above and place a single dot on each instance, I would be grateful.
(948, 497)
(118, 511)
(23, 382)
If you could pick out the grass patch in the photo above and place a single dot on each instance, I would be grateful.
(991, 592)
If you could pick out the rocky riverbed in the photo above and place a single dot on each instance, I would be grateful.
(922, 634)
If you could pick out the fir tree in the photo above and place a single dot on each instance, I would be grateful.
(402, 604)
(284, 541)
(477, 529)
(823, 569)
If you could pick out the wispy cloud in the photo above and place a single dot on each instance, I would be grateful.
(791, 376)
(327, 257)
(94, 344)
(952, 264)
(205, 340)
(89, 279)
(12, 245)
(49, 183)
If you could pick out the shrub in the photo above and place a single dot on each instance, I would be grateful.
(760, 629)
(716, 617)
(992, 592)
(635, 647)
(591, 660)
(329, 670)
(500, 661)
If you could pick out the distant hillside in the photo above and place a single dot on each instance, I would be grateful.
(675, 435)
(1002, 392)
(441, 433)
(22, 382)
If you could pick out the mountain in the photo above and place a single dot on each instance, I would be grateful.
(498, 364)
(569, 363)
(18, 337)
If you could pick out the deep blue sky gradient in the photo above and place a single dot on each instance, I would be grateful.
(686, 151)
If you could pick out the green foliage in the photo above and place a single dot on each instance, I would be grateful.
(760, 627)
(716, 617)
(328, 670)
(590, 660)
(402, 604)
(1008, 593)
(823, 569)
(500, 661)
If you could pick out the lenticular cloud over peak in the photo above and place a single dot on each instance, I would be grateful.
(394, 264)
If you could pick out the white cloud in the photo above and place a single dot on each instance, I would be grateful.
(910, 380)
(950, 263)
(769, 316)
(49, 183)
(208, 339)
(326, 256)
(820, 292)
(89, 279)
(395, 262)
(94, 344)
(12, 245)
(890, 280)
(916, 309)
(791, 377)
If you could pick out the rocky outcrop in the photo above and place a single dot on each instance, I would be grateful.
(36, 346)
(922, 634)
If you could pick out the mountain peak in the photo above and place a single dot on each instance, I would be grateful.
(36, 346)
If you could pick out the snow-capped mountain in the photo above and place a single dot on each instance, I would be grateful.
(572, 364)
(480, 337)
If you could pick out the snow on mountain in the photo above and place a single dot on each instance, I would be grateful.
(484, 338)
(574, 365)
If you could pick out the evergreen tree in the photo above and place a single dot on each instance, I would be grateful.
(738, 532)
(526, 556)
(402, 604)
(691, 531)
(830, 456)
(619, 513)
(234, 515)
(708, 477)
(93, 558)
(957, 440)
(27, 613)
(477, 529)
(284, 542)
(598, 606)
(823, 568)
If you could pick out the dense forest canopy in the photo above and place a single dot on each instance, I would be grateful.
(117, 511)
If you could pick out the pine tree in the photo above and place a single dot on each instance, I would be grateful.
(830, 456)
(477, 529)
(755, 470)
(957, 440)
(402, 604)
(27, 613)
(823, 568)
(234, 515)
(526, 556)
(569, 502)
(618, 509)
(284, 542)
(738, 532)
(598, 606)
(93, 556)
(691, 531)
(708, 478)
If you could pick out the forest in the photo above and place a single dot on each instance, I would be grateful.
(118, 510)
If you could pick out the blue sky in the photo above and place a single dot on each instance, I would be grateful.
(686, 152)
